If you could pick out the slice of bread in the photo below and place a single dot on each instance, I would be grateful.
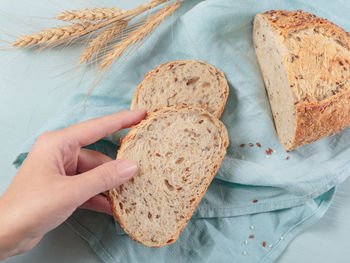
(178, 151)
(183, 82)
(305, 63)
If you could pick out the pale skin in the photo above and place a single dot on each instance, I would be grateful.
(59, 176)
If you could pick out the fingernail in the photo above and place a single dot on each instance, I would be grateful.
(125, 168)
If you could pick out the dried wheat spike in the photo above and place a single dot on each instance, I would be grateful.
(102, 40)
(138, 35)
(89, 14)
(77, 30)
(53, 35)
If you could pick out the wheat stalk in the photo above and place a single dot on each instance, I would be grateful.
(102, 40)
(138, 35)
(89, 14)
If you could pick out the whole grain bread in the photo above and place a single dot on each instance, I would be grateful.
(188, 82)
(305, 63)
(178, 151)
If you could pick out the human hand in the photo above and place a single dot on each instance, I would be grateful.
(57, 177)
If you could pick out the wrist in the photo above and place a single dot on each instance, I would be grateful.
(11, 241)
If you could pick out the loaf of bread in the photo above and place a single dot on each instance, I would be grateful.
(304, 61)
(178, 151)
(182, 82)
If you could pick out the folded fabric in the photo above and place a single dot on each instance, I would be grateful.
(271, 198)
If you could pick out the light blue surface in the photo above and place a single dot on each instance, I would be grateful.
(300, 187)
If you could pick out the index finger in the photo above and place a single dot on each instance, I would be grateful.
(90, 131)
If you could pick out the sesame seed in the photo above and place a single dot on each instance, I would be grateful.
(251, 227)
(246, 242)
(270, 246)
(245, 252)
(242, 156)
(281, 237)
(268, 156)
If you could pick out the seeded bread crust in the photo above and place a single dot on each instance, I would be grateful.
(194, 99)
(318, 74)
(132, 135)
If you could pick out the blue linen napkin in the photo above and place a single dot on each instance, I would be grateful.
(290, 194)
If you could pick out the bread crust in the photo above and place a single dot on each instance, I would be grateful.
(150, 73)
(315, 119)
(130, 136)
(319, 120)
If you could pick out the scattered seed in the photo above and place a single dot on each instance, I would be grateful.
(264, 244)
(251, 144)
(180, 160)
(251, 236)
(242, 145)
(269, 151)
(255, 201)
(258, 144)
(287, 158)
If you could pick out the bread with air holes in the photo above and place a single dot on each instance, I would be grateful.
(305, 63)
(178, 151)
(189, 82)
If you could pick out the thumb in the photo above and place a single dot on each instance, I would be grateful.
(104, 177)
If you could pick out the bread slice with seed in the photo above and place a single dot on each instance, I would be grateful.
(189, 82)
(178, 151)
(304, 61)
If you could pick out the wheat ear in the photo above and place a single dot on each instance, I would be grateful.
(129, 14)
(89, 14)
(52, 35)
(55, 35)
(102, 40)
(138, 35)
